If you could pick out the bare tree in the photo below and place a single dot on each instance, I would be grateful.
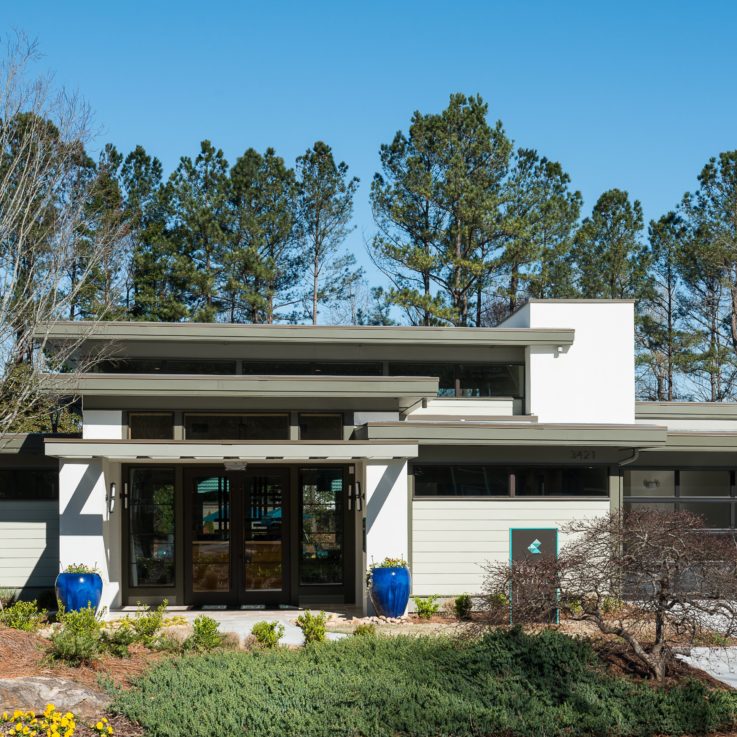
(651, 579)
(45, 217)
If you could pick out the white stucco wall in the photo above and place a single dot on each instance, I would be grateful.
(387, 510)
(592, 380)
(102, 424)
(88, 532)
(453, 539)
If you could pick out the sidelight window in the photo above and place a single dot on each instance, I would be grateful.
(152, 527)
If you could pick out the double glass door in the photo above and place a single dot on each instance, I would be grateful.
(237, 547)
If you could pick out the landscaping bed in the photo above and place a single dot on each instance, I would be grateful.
(506, 683)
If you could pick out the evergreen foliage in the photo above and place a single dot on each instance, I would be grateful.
(505, 683)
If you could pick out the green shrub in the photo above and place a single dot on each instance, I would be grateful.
(611, 605)
(365, 629)
(268, 634)
(117, 640)
(426, 606)
(463, 606)
(205, 635)
(23, 615)
(79, 638)
(80, 568)
(312, 626)
(7, 596)
(147, 623)
(507, 682)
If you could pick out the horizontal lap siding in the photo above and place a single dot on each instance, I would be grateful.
(29, 543)
(453, 539)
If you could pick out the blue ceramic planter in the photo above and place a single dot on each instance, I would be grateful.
(390, 591)
(79, 590)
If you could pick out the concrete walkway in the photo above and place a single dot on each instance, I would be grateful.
(240, 622)
(718, 662)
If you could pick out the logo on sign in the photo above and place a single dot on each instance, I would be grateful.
(534, 547)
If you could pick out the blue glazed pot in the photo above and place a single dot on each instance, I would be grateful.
(79, 590)
(390, 591)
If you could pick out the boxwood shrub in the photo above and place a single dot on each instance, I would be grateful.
(507, 683)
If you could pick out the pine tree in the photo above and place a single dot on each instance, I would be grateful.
(611, 259)
(262, 264)
(539, 223)
(325, 210)
(197, 199)
(663, 338)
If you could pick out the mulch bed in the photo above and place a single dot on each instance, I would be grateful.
(26, 654)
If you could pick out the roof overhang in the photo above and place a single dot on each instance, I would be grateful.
(221, 451)
(229, 333)
(516, 434)
(406, 391)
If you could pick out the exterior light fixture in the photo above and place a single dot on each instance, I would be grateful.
(111, 497)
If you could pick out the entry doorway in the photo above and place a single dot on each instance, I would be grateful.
(269, 535)
(237, 547)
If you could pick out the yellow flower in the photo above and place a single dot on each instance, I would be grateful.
(98, 725)
(18, 727)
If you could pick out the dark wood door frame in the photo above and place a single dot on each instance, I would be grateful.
(238, 500)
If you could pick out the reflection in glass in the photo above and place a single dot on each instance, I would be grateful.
(321, 506)
(716, 515)
(211, 534)
(649, 482)
(704, 483)
(263, 533)
(152, 521)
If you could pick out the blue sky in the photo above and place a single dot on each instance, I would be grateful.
(635, 95)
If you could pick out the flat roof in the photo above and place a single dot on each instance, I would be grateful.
(686, 410)
(515, 433)
(168, 332)
(406, 390)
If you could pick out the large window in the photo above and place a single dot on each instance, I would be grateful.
(236, 426)
(487, 480)
(29, 484)
(468, 379)
(152, 527)
(709, 493)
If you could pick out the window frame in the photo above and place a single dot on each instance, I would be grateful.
(340, 416)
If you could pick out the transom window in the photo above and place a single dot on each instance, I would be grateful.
(230, 426)
(151, 425)
(497, 480)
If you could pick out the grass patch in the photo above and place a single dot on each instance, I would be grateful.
(506, 683)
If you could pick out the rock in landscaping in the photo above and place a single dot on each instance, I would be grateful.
(34, 692)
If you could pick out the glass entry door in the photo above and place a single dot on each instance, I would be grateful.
(237, 551)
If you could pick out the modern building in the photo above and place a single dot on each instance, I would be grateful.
(267, 465)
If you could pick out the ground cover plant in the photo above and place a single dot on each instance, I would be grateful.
(23, 615)
(506, 682)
